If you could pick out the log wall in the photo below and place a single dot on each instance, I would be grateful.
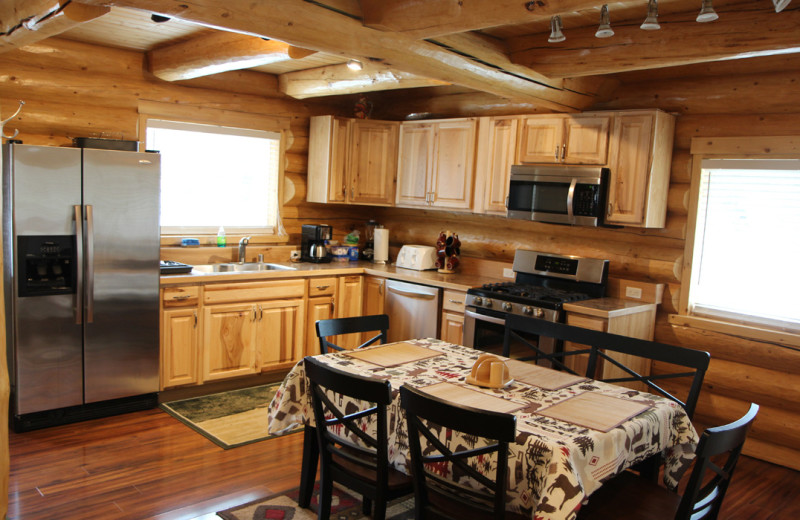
(752, 97)
(73, 89)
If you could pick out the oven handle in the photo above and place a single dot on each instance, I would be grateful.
(483, 317)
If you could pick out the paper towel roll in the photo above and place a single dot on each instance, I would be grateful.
(381, 238)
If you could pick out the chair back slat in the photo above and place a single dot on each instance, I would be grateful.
(601, 343)
(703, 496)
(426, 415)
(359, 324)
(333, 419)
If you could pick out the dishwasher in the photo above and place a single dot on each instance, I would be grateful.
(413, 310)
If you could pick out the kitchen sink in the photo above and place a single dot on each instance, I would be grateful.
(233, 267)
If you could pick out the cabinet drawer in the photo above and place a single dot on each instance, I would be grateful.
(240, 292)
(453, 300)
(587, 322)
(321, 286)
(181, 296)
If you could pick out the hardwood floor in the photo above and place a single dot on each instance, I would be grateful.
(147, 465)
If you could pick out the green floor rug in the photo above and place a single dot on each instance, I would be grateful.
(229, 419)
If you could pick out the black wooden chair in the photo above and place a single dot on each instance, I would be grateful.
(439, 498)
(337, 326)
(628, 497)
(362, 466)
(684, 362)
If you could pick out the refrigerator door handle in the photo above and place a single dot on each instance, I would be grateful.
(79, 254)
(89, 264)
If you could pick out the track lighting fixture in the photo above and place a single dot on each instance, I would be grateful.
(651, 22)
(354, 65)
(707, 13)
(555, 30)
(604, 30)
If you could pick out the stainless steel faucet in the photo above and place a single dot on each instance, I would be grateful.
(243, 248)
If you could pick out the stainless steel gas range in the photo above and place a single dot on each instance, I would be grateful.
(543, 283)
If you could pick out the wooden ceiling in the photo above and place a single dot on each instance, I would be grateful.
(497, 47)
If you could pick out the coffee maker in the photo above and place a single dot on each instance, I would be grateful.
(312, 245)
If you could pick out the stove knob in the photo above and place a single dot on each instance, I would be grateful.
(487, 302)
(527, 310)
(538, 312)
(507, 307)
(478, 300)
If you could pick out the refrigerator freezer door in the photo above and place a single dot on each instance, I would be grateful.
(42, 184)
(121, 205)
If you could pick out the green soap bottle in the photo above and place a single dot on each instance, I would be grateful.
(221, 237)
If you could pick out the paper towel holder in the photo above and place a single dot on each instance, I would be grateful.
(381, 246)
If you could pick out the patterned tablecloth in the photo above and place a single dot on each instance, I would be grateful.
(554, 465)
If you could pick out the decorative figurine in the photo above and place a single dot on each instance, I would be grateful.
(448, 249)
(363, 107)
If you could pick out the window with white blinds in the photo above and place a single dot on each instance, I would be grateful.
(746, 261)
(214, 176)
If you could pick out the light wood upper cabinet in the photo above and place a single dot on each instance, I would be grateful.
(436, 163)
(497, 151)
(640, 161)
(352, 160)
(565, 139)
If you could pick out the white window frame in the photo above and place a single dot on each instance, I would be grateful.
(231, 119)
(729, 148)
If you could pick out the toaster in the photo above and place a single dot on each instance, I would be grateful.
(417, 257)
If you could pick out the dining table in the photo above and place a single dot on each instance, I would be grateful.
(573, 433)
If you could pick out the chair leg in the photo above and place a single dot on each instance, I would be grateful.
(308, 471)
(325, 497)
(380, 509)
(366, 505)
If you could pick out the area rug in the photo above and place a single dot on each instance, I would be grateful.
(228, 419)
(345, 505)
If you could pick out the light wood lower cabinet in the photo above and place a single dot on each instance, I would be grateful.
(452, 329)
(242, 337)
(321, 306)
(374, 295)
(179, 350)
(229, 341)
(180, 336)
(349, 303)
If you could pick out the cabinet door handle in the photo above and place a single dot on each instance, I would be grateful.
(557, 152)
(433, 197)
(380, 287)
(506, 201)
(182, 297)
(333, 307)
(255, 316)
(322, 287)
(460, 302)
(563, 151)
(260, 313)
(352, 192)
(195, 319)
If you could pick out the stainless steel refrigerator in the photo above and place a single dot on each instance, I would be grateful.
(81, 273)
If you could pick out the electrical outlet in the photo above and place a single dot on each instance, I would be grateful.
(633, 292)
(508, 273)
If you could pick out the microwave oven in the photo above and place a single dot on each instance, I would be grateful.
(574, 195)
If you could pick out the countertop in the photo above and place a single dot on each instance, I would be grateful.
(456, 281)
(608, 307)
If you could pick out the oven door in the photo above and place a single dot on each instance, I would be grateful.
(485, 330)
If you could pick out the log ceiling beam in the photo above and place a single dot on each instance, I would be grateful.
(335, 80)
(222, 51)
(431, 18)
(25, 22)
(744, 31)
(309, 25)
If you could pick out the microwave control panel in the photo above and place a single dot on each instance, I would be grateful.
(586, 199)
